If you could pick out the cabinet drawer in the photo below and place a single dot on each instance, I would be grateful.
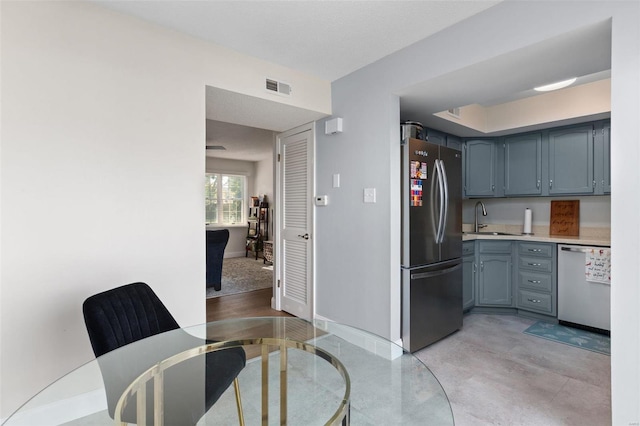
(536, 264)
(542, 282)
(531, 300)
(468, 248)
(495, 247)
(533, 249)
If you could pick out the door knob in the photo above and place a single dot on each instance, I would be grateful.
(305, 236)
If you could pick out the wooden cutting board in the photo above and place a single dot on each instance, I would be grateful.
(565, 218)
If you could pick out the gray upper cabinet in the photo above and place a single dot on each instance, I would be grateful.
(480, 167)
(523, 165)
(571, 160)
(454, 142)
(436, 137)
(606, 179)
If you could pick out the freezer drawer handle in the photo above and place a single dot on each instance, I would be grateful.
(534, 264)
(534, 300)
(535, 250)
(535, 281)
(435, 273)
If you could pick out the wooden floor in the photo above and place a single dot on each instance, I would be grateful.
(252, 304)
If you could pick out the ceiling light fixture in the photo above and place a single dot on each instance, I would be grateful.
(555, 86)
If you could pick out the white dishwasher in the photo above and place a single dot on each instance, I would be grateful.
(584, 287)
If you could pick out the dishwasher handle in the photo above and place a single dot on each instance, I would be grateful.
(576, 249)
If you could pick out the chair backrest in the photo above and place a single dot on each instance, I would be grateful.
(218, 236)
(124, 315)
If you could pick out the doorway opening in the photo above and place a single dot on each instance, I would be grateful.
(242, 131)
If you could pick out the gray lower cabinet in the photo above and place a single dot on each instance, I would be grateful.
(490, 280)
(536, 278)
(494, 271)
(468, 275)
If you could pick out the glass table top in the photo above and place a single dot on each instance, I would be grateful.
(386, 385)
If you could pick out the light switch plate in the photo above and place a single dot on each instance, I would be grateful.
(369, 195)
(336, 180)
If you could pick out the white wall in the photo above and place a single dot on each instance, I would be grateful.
(102, 170)
(595, 211)
(359, 283)
(263, 184)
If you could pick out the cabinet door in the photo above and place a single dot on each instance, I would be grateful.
(606, 180)
(523, 165)
(454, 142)
(436, 137)
(494, 281)
(468, 279)
(480, 165)
(571, 160)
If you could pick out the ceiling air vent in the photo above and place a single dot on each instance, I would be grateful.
(454, 112)
(216, 147)
(278, 87)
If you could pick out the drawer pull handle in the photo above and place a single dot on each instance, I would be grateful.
(534, 300)
(535, 250)
(535, 281)
(534, 264)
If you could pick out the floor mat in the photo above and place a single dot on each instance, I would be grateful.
(571, 336)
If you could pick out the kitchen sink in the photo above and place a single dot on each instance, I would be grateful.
(488, 233)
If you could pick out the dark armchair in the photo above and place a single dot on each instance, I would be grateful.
(134, 313)
(216, 243)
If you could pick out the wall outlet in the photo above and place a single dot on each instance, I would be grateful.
(369, 195)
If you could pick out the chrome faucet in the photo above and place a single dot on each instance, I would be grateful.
(484, 213)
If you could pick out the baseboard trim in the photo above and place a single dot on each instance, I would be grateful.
(372, 343)
(63, 411)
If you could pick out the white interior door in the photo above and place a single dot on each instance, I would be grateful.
(294, 251)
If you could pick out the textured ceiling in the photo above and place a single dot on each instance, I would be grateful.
(584, 53)
(329, 39)
(240, 142)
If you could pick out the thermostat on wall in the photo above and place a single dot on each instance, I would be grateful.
(322, 200)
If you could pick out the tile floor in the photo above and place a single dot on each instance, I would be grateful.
(494, 374)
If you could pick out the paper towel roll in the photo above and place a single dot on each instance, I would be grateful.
(527, 221)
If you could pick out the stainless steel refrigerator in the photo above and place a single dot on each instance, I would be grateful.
(431, 243)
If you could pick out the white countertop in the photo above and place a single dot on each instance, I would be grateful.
(586, 241)
(588, 236)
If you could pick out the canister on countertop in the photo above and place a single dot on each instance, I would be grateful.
(411, 129)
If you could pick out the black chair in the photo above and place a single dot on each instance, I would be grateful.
(134, 313)
(215, 245)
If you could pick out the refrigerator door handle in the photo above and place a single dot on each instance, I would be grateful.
(445, 184)
(441, 219)
(434, 180)
(435, 273)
